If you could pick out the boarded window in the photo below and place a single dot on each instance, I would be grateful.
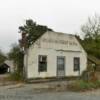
(76, 63)
(42, 66)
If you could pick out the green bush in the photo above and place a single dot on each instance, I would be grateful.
(85, 75)
(89, 76)
(17, 56)
(16, 76)
(81, 85)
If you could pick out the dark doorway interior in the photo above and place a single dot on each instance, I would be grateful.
(4, 69)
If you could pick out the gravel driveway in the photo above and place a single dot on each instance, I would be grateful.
(27, 92)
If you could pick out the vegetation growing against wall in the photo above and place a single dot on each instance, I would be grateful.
(17, 56)
(30, 32)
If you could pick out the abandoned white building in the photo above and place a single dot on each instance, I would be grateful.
(55, 55)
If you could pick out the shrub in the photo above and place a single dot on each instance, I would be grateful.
(85, 75)
(83, 85)
(89, 76)
(17, 56)
(16, 76)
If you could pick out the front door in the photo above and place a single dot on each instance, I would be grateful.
(60, 66)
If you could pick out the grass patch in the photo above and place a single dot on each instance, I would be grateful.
(81, 85)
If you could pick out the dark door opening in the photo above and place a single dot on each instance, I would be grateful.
(4, 69)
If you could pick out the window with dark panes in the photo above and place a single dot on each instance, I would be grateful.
(42, 63)
(76, 63)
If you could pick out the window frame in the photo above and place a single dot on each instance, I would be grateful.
(76, 64)
(40, 69)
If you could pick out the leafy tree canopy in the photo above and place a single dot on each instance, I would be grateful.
(92, 28)
(91, 32)
(2, 57)
(31, 31)
(16, 55)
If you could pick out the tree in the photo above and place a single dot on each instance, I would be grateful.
(2, 57)
(91, 40)
(31, 31)
(92, 28)
(17, 56)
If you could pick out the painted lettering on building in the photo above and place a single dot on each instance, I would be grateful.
(67, 42)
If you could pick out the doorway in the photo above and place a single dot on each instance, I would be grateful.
(60, 66)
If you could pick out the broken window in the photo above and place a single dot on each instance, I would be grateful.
(42, 67)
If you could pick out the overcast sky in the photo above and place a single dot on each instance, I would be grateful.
(60, 15)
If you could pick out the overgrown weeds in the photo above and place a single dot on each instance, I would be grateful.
(81, 85)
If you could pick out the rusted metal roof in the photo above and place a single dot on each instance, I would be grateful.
(94, 59)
